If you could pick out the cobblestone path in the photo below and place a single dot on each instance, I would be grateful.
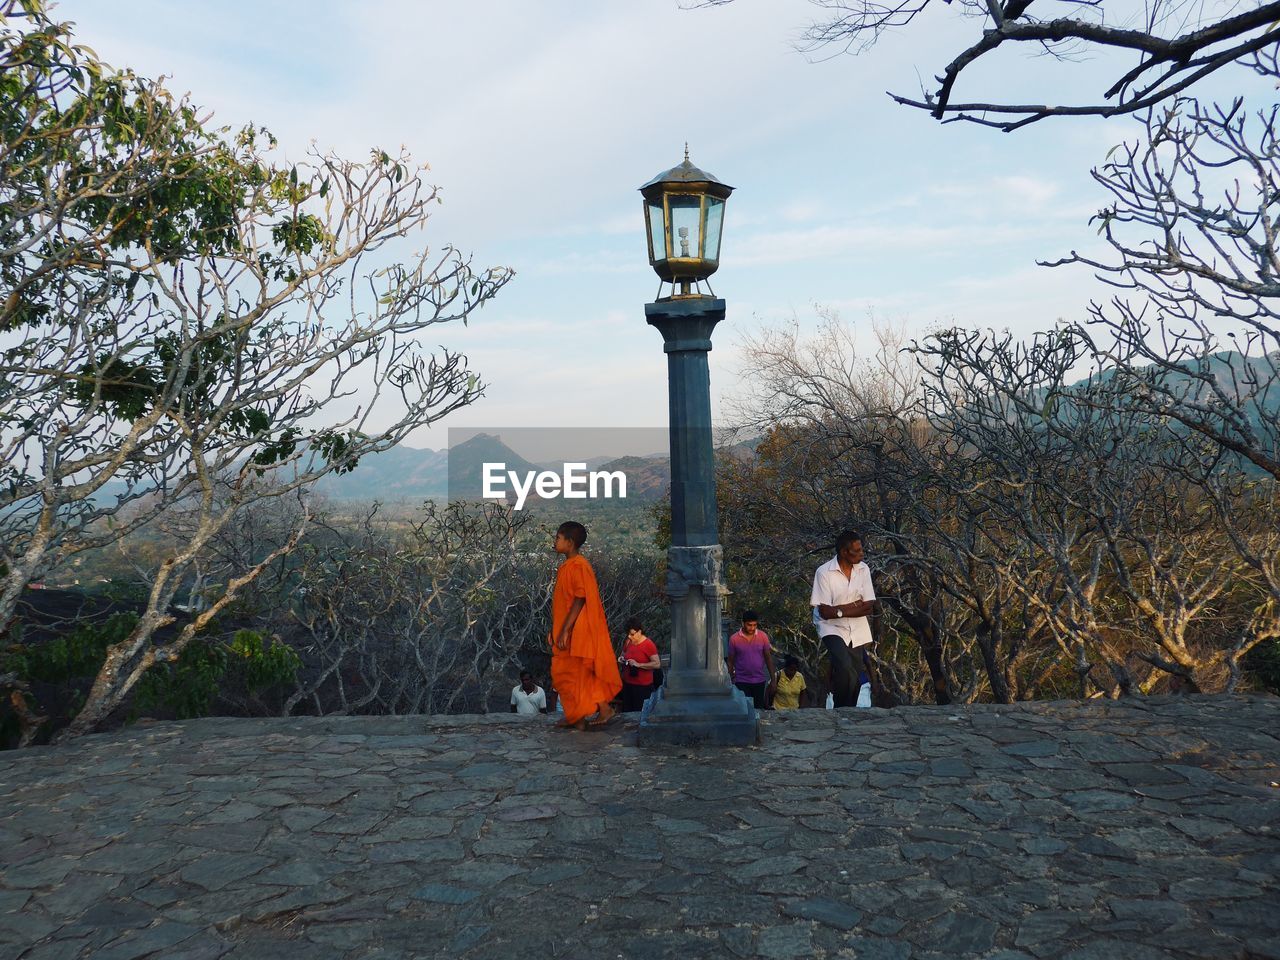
(1108, 831)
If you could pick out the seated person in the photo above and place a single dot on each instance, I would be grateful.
(527, 698)
(789, 686)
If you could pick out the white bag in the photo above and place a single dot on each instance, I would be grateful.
(831, 701)
(864, 695)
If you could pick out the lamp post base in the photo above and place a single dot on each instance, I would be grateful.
(697, 704)
(707, 713)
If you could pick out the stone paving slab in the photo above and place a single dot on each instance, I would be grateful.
(1127, 830)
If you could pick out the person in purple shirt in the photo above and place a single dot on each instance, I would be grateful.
(750, 659)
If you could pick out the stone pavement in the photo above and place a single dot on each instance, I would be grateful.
(1108, 831)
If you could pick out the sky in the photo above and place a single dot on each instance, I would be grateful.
(540, 120)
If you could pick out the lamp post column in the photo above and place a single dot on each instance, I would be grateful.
(697, 703)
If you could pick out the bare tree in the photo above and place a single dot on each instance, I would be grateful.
(1193, 226)
(1175, 44)
(1193, 332)
(844, 446)
(392, 626)
(1124, 553)
(1030, 522)
(1134, 525)
(436, 621)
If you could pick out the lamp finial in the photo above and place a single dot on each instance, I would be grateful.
(686, 151)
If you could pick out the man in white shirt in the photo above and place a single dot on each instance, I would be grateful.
(842, 600)
(527, 698)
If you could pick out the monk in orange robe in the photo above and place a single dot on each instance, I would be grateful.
(584, 668)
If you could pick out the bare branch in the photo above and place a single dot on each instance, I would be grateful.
(1175, 51)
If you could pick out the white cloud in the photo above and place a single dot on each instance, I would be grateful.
(828, 242)
(1028, 191)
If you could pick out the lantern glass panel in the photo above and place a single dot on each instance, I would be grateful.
(686, 214)
(715, 220)
(657, 238)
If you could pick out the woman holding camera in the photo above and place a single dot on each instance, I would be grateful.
(639, 659)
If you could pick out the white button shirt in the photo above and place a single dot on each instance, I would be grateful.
(528, 704)
(831, 587)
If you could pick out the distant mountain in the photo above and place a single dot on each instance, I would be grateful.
(1251, 386)
(407, 473)
(742, 450)
(648, 478)
(467, 460)
(401, 473)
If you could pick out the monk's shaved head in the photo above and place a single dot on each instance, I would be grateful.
(572, 530)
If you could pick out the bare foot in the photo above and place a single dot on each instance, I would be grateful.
(562, 723)
(606, 714)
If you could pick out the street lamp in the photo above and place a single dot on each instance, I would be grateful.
(684, 216)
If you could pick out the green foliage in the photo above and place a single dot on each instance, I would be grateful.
(72, 656)
(263, 666)
(300, 234)
(129, 387)
(278, 449)
(125, 168)
(189, 686)
(183, 688)
(249, 421)
(186, 687)
(125, 388)
(336, 448)
(57, 671)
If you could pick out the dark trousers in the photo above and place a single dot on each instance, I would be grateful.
(634, 695)
(847, 670)
(755, 691)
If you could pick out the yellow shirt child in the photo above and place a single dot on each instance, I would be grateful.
(790, 684)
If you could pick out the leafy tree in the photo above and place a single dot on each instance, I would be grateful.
(189, 317)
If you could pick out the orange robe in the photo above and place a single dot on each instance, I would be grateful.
(585, 675)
